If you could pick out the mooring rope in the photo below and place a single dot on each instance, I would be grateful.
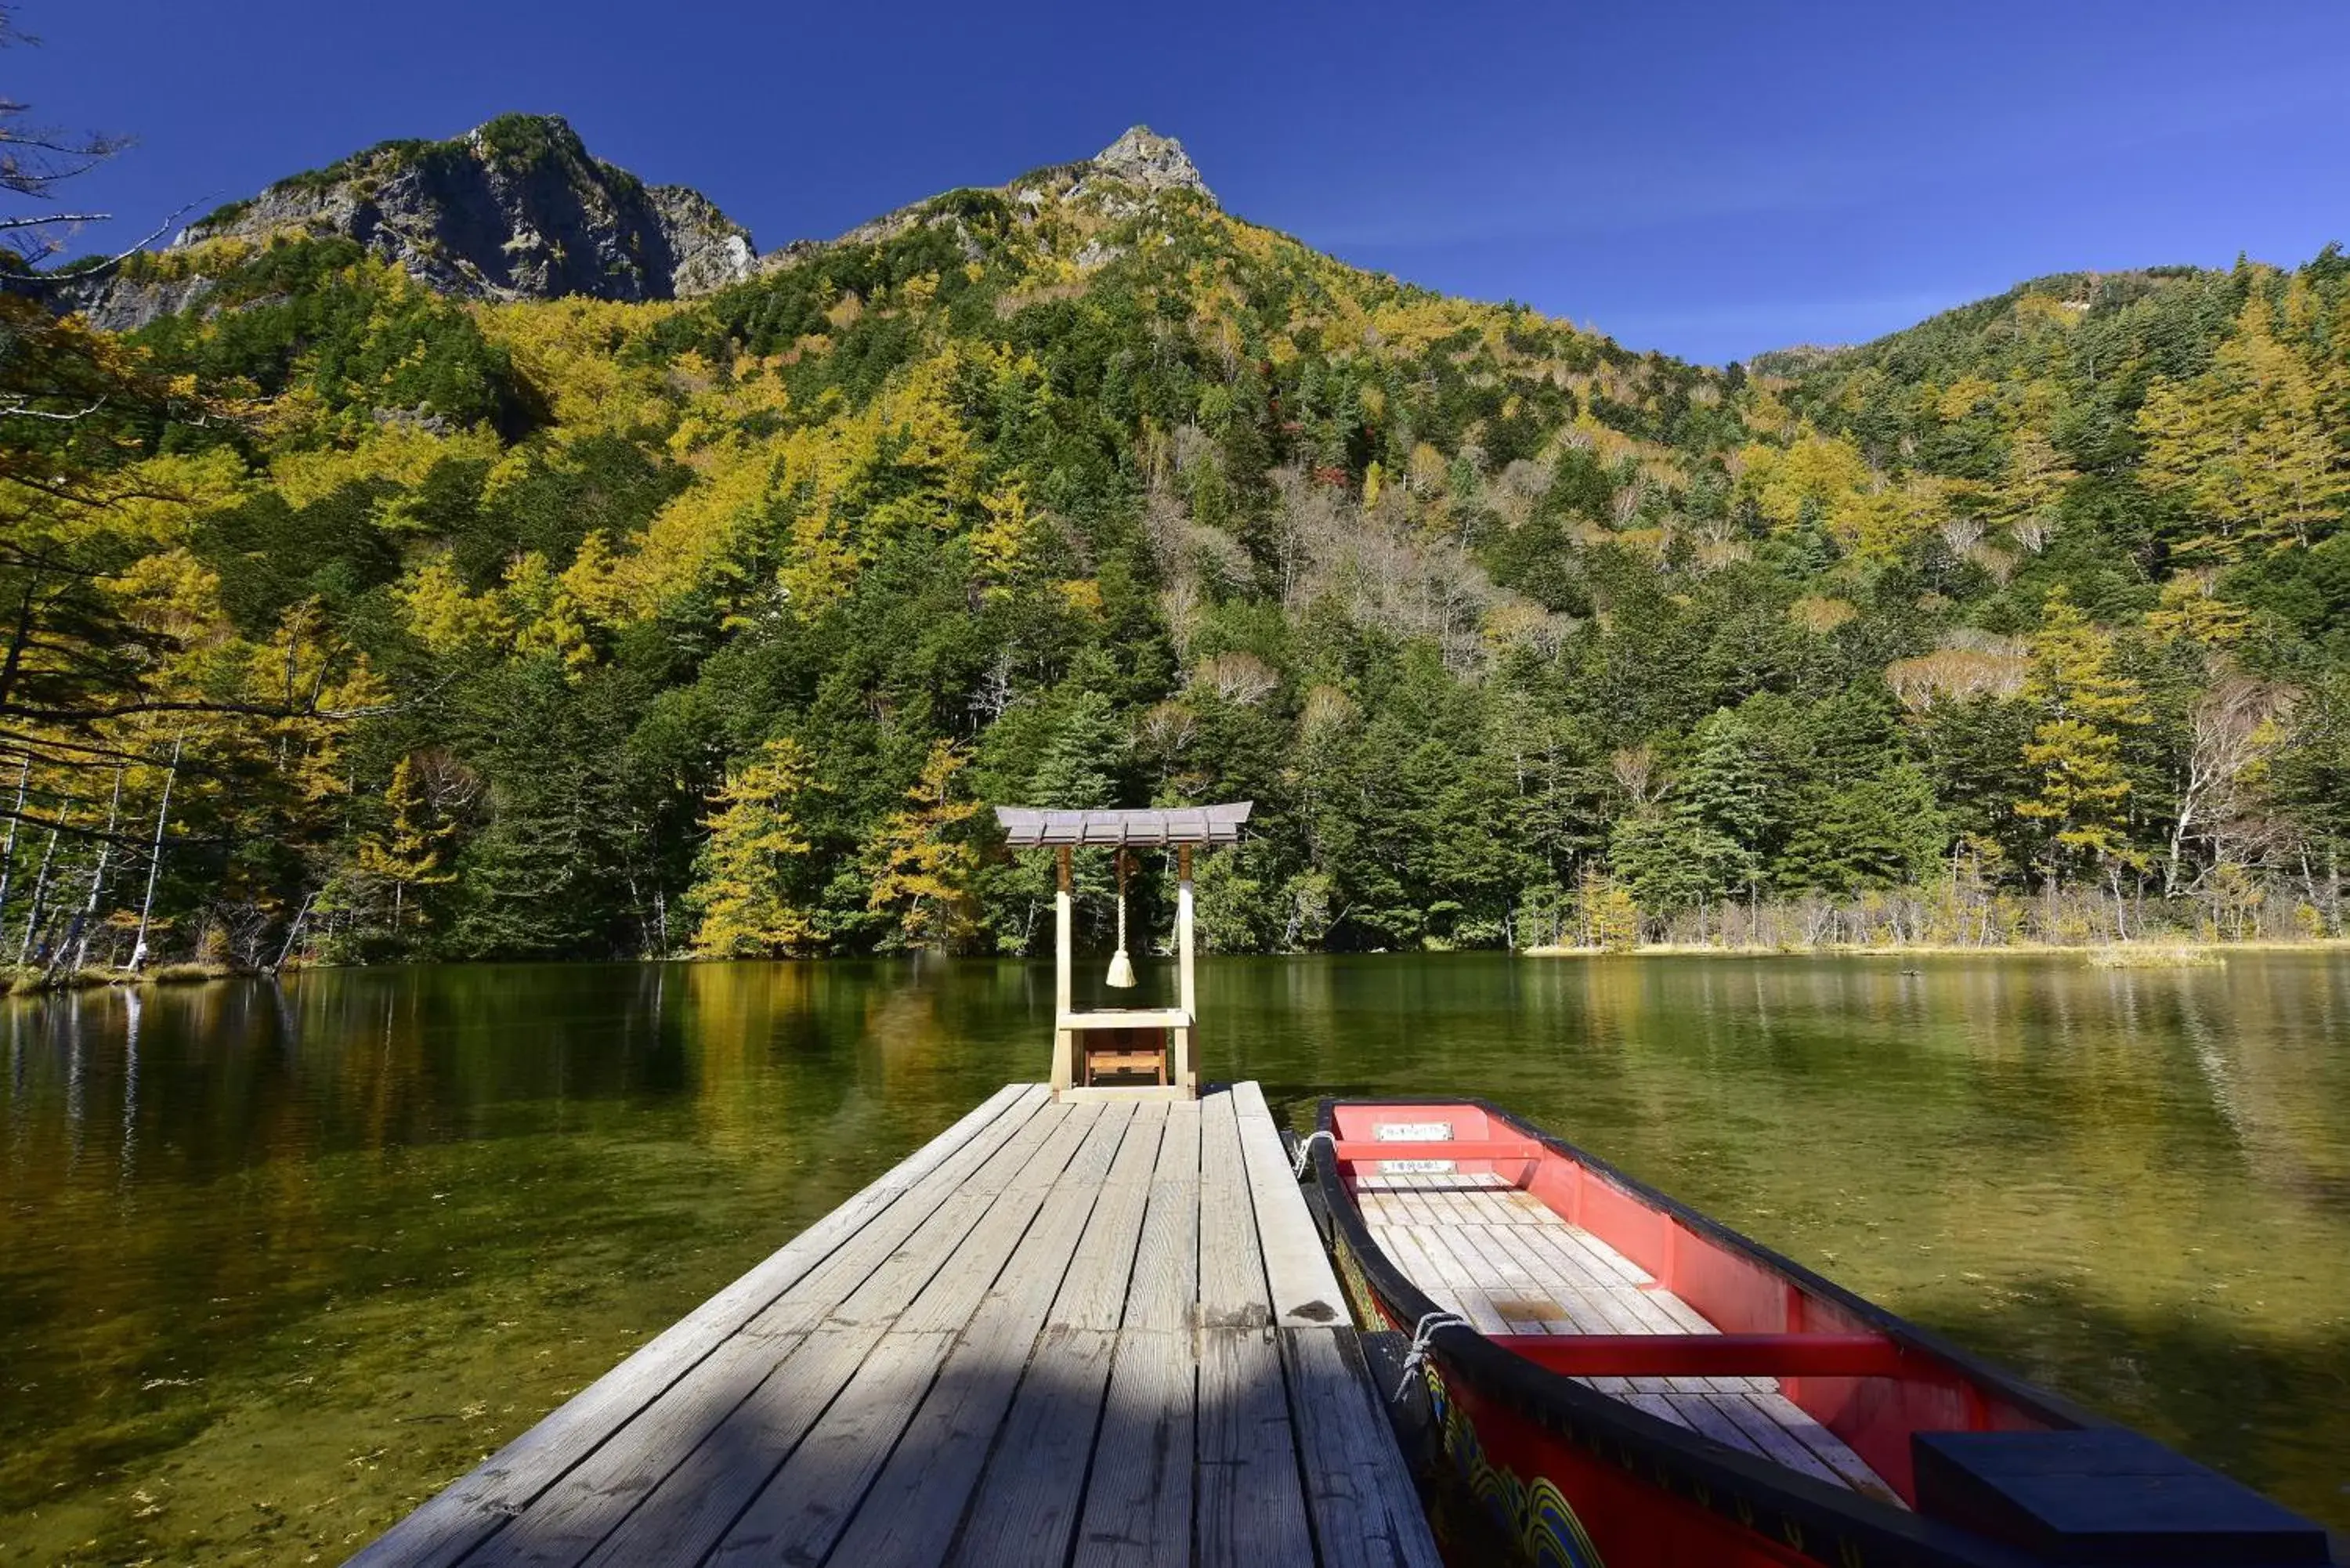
(1416, 1356)
(1306, 1151)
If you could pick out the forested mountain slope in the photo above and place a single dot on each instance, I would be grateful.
(583, 627)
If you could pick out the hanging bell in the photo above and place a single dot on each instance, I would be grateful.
(1121, 967)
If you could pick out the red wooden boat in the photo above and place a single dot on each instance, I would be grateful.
(1624, 1382)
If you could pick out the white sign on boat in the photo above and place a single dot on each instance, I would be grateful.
(1413, 1132)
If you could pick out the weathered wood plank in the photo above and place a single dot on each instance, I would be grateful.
(901, 1239)
(689, 1504)
(1027, 1503)
(1473, 1302)
(1402, 1243)
(1025, 1508)
(1359, 1493)
(1608, 1258)
(1832, 1451)
(1618, 1309)
(1305, 1289)
(1164, 1293)
(456, 1520)
(1232, 1290)
(1656, 1404)
(1138, 1508)
(1073, 1159)
(563, 1525)
(1554, 1300)
(910, 1513)
(1573, 1293)
(804, 1505)
(1526, 1301)
(1093, 1293)
(695, 1489)
(1252, 1507)
(1702, 1416)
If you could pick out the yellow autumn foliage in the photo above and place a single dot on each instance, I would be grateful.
(396, 452)
(163, 496)
(569, 350)
(1812, 471)
(444, 616)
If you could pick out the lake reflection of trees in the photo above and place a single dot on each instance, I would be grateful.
(468, 1190)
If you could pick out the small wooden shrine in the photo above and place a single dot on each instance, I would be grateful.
(1124, 1053)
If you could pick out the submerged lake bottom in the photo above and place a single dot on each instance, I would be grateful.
(279, 1260)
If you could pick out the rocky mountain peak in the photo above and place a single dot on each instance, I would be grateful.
(1142, 157)
(516, 208)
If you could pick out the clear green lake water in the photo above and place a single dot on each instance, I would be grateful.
(277, 1260)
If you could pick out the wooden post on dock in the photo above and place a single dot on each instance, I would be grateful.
(1187, 995)
(1063, 995)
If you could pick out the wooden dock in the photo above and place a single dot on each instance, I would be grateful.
(1091, 1333)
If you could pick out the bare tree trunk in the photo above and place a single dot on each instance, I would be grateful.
(155, 863)
(293, 931)
(97, 875)
(2178, 829)
(40, 886)
(8, 853)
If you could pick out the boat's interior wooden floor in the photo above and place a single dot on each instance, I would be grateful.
(1499, 1257)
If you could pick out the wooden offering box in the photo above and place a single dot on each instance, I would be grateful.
(1120, 1047)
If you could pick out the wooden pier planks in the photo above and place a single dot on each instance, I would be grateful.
(1057, 1333)
(1027, 1501)
(1252, 1507)
(910, 1513)
(1138, 1503)
(455, 1521)
(1305, 1289)
(673, 1478)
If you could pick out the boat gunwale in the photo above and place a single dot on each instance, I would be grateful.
(1549, 1398)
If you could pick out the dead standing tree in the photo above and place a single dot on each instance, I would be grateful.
(2235, 730)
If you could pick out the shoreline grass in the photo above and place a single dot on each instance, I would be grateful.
(2164, 953)
(28, 980)
(2157, 955)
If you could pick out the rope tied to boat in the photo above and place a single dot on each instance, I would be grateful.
(1416, 1356)
(1306, 1151)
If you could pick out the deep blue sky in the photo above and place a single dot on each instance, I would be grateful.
(1710, 179)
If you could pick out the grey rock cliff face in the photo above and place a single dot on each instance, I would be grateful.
(1138, 166)
(120, 304)
(1144, 158)
(516, 209)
